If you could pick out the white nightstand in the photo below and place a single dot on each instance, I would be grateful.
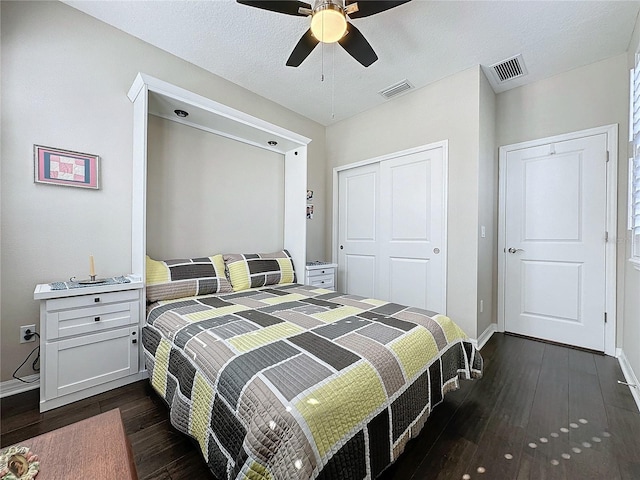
(89, 340)
(321, 274)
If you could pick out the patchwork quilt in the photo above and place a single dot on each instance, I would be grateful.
(296, 382)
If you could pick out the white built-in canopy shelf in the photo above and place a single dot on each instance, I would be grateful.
(151, 96)
(214, 117)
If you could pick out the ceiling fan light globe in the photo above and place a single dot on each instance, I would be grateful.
(328, 23)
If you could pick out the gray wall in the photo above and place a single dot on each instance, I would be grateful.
(65, 77)
(64, 81)
(487, 207)
(583, 98)
(445, 110)
(208, 194)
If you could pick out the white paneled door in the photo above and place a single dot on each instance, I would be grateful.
(392, 229)
(555, 207)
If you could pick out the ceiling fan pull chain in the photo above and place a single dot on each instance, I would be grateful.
(322, 58)
(333, 82)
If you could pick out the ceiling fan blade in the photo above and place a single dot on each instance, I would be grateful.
(357, 46)
(371, 7)
(305, 46)
(288, 7)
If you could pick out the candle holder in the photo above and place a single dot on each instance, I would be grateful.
(92, 280)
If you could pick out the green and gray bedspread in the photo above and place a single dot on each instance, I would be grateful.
(296, 382)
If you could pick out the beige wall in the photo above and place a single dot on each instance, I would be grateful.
(583, 98)
(487, 206)
(208, 194)
(445, 110)
(64, 82)
(631, 293)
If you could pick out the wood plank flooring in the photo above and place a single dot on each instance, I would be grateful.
(541, 411)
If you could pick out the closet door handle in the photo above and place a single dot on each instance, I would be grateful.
(96, 319)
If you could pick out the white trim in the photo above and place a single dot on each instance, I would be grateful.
(611, 131)
(629, 375)
(91, 391)
(219, 110)
(151, 96)
(13, 386)
(630, 196)
(444, 144)
(484, 337)
(631, 92)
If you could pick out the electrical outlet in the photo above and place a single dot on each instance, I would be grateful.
(23, 332)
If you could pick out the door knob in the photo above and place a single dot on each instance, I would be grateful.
(341, 247)
(514, 250)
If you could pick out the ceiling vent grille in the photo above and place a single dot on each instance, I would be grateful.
(509, 69)
(396, 89)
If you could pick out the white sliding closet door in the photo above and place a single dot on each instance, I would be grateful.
(392, 229)
(358, 226)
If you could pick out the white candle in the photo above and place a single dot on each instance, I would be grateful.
(92, 267)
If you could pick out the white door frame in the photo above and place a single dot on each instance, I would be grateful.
(444, 144)
(611, 132)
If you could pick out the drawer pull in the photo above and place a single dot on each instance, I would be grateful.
(96, 319)
(97, 299)
(322, 271)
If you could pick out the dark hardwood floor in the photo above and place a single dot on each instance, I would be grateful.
(540, 412)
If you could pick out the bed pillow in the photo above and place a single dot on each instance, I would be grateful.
(170, 279)
(252, 270)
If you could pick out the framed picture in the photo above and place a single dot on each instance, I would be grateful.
(64, 167)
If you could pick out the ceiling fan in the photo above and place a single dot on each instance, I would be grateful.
(329, 24)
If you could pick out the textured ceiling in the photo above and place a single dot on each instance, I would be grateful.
(421, 41)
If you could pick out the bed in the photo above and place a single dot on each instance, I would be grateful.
(277, 380)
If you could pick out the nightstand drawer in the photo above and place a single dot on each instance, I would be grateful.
(66, 323)
(326, 281)
(320, 272)
(91, 300)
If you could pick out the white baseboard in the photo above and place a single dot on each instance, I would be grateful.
(13, 386)
(629, 375)
(484, 336)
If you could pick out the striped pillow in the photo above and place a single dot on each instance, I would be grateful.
(170, 279)
(252, 270)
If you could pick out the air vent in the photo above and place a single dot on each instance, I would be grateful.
(395, 90)
(509, 69)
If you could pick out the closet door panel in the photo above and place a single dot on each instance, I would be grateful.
(358, 219)
(392, 229)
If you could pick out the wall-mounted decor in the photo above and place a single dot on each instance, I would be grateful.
(64, 167)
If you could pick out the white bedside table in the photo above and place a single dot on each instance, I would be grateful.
(321, 275)
(89, 340)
